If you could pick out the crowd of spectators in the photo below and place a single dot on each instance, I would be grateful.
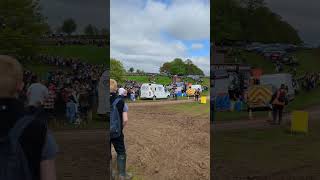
(72, 87)
(100, 41)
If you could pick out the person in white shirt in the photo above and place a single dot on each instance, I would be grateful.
(37, 94)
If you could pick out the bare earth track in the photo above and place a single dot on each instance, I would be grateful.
(160, 144)
(167, 145)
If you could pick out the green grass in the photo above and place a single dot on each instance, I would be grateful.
(309, 60)
(257, 61)
(305, 99)
(91, 54)
(243, 115)
(145, 79)
(265, 151)
(133, 171)
(193, 109)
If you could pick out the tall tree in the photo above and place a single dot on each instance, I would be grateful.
(21, 27)
(180, 67)
(91, 30)
(131, 70)
(69, 26)
(249, 20)
(117, 71)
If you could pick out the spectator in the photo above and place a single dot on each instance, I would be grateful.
(118, 143)
(37, 94)
(36, 142)
(278, 102)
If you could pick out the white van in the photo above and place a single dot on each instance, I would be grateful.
(276, 80)
(196, 87)
(153, 91)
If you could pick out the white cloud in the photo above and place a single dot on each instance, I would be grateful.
(197, 46)
(139, 32)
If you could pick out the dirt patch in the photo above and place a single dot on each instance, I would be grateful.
(163, 144)
(82, 155)
(160, 144)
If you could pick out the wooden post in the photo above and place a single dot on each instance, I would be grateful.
(250, 113)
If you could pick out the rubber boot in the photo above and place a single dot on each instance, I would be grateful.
(121, 162)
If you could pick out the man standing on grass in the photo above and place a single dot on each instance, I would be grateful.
(27, 149)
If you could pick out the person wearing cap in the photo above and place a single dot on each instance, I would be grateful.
(122, 93)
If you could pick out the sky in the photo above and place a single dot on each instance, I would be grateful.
(302, 15)
(84, 12)
(147, 33)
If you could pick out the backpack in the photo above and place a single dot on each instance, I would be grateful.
(115, 120)
(13, 162)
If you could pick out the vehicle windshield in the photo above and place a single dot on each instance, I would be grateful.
(145, 88)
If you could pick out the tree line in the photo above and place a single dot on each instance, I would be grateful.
(174, 67)
(69, 26)
(250, 20)
(21, 31)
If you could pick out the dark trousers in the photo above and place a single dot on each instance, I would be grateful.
(118, 144)
(277, 111)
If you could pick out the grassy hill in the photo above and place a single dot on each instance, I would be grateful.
(309, 61)
(91, 54)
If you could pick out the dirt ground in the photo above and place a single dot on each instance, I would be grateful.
(82, 155)
(160, 144)
(167, 145)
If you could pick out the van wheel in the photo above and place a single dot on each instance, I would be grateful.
(154, 98)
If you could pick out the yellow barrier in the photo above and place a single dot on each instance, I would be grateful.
(203, 100)
(299, 121)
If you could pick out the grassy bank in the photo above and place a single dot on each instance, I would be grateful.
(249, 152)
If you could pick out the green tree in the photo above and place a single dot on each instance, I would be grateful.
(91, 30)
(131, 70)
(69, 26)
(180, 67)
(117, 71)
(21, 27)
(249, 20)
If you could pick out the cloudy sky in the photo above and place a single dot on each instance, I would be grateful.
(303, 15)
(147, 33)
(84, 12)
